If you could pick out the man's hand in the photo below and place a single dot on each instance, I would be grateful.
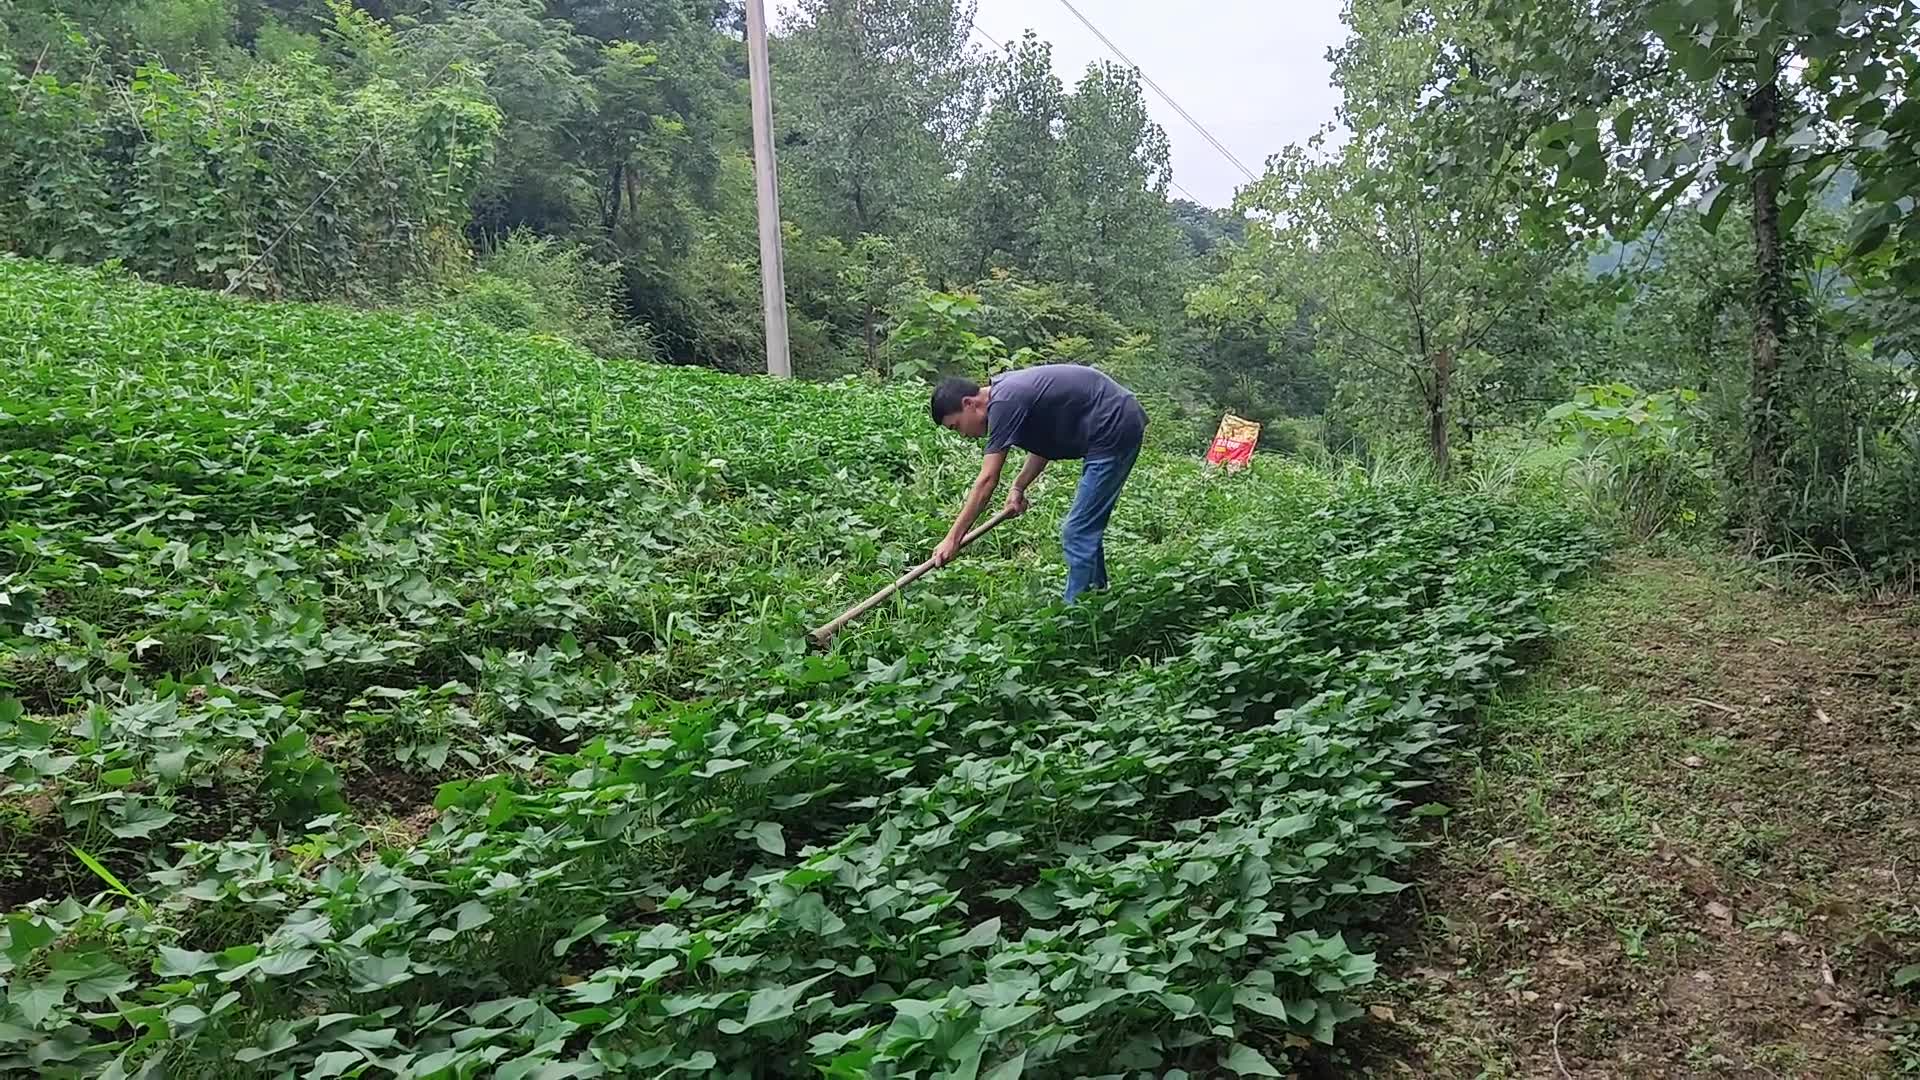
(946, 552)
(1017, 501)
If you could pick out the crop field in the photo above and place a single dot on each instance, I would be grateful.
(389, 697)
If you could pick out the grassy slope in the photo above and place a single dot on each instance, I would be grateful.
(415, 677)
(1691, 846)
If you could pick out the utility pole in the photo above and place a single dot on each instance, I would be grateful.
(773, 275)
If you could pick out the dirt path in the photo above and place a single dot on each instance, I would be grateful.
(1690, 847)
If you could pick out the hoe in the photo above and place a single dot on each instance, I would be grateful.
(824, 634)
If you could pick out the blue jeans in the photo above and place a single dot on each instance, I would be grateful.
(1084, 537)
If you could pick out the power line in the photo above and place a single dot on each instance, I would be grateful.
(1164, 96)
(975, 27)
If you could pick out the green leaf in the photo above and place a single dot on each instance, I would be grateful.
(470, 915)
(770, 838)
(1260, 1001)
(1717, 202)
(1011, 1069)
(379, 972)
(1198, 872)
(94, 976)
(1039, 902)
(594, 992)
(277, 1039)
(1623, 124)
(1907, 976)
(370, 1039)
(986, 933)
(177, 963)
(1001, 1017)
(285, 963)
(660, 968)
(1244, 1060)
(142, 820)
(580, 930)
(333, 1063)
(1077, 1011)
(767, 1005)
(171, 765)
(36, 1001)
(25, 933)
(811, 913)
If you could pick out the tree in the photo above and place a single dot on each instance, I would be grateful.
(530, 66)
(1011, 185)
(1206, 230)
(1619, 110)
(876, 275)
(1407, 279)
(876, 96)
(1111, 228)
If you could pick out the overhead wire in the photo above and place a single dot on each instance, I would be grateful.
(975, 27)
(1158, 89)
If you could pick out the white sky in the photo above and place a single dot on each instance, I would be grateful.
(1253, 71)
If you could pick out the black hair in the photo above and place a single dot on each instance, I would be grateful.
(948, 396)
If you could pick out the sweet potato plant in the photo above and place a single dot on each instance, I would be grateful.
(385, 697)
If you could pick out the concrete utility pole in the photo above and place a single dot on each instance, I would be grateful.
(773, 275)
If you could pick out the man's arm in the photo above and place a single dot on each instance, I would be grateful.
(977, 499)
(1017, 498)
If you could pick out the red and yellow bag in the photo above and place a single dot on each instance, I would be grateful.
(1233, 444)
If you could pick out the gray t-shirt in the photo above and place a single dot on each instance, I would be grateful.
(1062, 411)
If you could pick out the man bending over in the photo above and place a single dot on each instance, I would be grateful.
(1053, 412)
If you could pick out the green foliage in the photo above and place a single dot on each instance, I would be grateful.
(1774, 114)
(1012, 179)
(1404, 283)
(300, 782)
(1640, 462)
(878, 98)
(1060, 323)
(1625, 131)
(986, 834)
(1111, 228)
(878, 277)
(205, 191)
(537, 283)
(367, 147)
(936, 335)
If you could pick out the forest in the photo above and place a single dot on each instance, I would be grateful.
(406, 564)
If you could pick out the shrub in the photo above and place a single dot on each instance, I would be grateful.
(542, 284)
(1639, 462)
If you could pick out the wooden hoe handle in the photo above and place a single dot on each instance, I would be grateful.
(823, 634)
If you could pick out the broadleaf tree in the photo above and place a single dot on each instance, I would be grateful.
(1011, 183)
(1111, 227)
(1622, 111)
(1405, 276)
(875, 99)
